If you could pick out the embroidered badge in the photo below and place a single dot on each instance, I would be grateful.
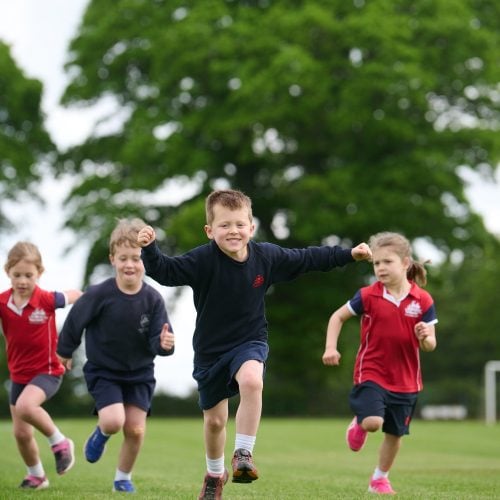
(258, 281)
(38, 316)
(413, 310)
(144, 324)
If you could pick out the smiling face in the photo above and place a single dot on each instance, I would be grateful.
(128, 266)
(390, 269)
(231, 230)
(23, 277)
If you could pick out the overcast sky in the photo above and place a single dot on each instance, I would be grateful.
(39, 33)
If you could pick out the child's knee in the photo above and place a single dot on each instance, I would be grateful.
(372, 424)
(135, 431)
(24, 410)
(214, 423)
(23, 435)
(250, 382)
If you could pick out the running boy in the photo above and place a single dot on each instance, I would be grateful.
(126, 326)
(28, 318)
(397, 320)
(229, 277)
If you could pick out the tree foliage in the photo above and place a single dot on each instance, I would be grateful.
(338, 118)
(24, 141)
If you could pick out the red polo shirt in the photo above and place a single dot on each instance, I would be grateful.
(389, 352)
(31, 335)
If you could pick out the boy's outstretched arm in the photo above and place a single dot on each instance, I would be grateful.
(361, 252)
(146, 236)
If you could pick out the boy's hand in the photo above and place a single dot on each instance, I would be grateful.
(361, 252)
(146, 236)
(167, 338)
(66, 362)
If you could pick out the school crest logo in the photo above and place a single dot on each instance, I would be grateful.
(413, 309)
(144, 324)
(38, 317)
(258, 281)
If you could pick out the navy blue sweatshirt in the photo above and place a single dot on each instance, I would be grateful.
(229, 295)
(122, 331)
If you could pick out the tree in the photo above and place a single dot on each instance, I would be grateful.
(338, 118)
(24, 141)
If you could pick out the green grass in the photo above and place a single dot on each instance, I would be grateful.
(297, 459)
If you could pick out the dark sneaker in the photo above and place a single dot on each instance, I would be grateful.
(124, 486)
(244, 471)
(64, 453)
(34, 483)
(95, 445)
(212, 486)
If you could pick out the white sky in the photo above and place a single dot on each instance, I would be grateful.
(39, 33)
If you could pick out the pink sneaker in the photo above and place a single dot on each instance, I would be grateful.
(34, 483)
(64, 453)
(381, 486)
(355, 435)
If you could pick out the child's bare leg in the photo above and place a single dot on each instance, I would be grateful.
(249, 378)
(133, 431)
(214, 429)
(24, 434)
(388, 451)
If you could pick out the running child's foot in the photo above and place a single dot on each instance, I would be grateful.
(123, 486)
(95, 445)
(381, 486)
(244, 470)
(64, 453)
(355, 435)
(212, 486)
(34, 483)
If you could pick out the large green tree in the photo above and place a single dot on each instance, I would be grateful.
(338, 118)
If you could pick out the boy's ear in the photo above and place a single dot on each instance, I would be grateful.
(208, 231)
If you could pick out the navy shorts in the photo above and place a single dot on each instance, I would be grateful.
(217, 382)
(48, 383)
(108, 387)
(369, 399)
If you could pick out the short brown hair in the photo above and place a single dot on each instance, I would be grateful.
(229, 198)
(125, 233)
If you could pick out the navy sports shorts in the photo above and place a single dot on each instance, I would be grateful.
(48, 383)
(217, 382)
(108, 387)
(369, 399)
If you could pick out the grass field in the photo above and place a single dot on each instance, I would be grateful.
(297, 459)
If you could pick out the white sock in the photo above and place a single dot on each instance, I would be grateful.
(122, 476)
(37, 470)
(244, 441)
(56, 438)
(215, 466)
(378, 474)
